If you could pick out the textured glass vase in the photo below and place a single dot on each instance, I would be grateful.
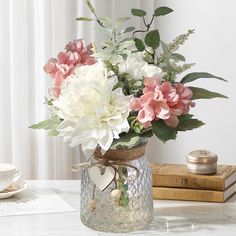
(132, 211)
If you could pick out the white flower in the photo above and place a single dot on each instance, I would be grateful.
(137, 67)
(92, 113)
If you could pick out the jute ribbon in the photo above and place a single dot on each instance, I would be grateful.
(113, 158)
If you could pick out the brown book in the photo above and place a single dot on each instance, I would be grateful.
(193, 194)
(177, 176)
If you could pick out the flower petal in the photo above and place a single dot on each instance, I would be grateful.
(162, 110)
(136, 104)
(146, 114)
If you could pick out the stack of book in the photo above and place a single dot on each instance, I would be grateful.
(174, 182)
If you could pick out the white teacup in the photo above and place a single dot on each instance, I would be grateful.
(8, 175)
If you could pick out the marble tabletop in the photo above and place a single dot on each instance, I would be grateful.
(171, 217)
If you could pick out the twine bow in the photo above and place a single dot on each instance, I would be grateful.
(113, 158)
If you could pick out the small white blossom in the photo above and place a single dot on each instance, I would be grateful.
(137, 67)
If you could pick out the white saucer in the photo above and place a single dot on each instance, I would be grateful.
(12, 190)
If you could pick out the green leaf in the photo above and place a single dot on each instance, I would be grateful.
(53, 132)
(152, 39)
(126, 137)
(106, 21)
(106, 31)
(138, 12)
(162, 131)
(90, 6)
(177, 57)
(197, 75)
(127, 30)
(161, 11)
(47, 124)
(164, 48)
(121, 21)
(139, 44)
(200, 93)
(185, 117)
(131, 139)
(187, 123)
(84, 19)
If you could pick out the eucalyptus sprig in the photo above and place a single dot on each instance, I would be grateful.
(119, 42)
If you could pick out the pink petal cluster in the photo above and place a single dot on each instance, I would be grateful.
(76, 53)
(161, 100)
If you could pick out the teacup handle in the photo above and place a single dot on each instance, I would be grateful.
(17, 176)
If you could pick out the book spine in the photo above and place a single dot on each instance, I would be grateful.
(187, 194)
(188, 182)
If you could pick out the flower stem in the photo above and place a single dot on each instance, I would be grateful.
(123, 186)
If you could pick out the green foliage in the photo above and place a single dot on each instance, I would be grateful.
(111, 49)
(165, 133)
(181, 68)
(129, 85)
(152, 39)
(197, 75)
(162, 131)
(149, 57)
(139, 44)
(178, 41)
(131, 139)
(135, 87)
(187, 123)
(121, 21)
(161, 11)
(118, 43)
(200, 93)
(53, 132)
(138, 12)
(90, 6)
(136, 126)
(177, 57)
(169, 60)
(50, 124)
(127, 30)
(123, 186)
(106, 22)
(111, 67)
(84, 19)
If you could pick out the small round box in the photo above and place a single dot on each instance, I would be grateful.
(202, 162)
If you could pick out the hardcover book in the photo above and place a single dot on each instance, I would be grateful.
(193, 194)
(177, 176)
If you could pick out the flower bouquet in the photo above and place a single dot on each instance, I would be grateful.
(109, 97)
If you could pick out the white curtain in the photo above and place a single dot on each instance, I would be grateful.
(31, 31)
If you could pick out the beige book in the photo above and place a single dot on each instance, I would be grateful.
(193, 194)
(173, 175)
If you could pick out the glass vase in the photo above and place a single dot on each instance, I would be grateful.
(132, 210)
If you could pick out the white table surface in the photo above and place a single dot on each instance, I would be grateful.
(171, 217)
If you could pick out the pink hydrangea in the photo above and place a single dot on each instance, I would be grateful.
(75, 54)
(161, 100)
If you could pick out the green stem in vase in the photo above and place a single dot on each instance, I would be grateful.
(123, 186)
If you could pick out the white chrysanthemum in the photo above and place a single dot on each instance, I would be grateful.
(137, 67)
(92, 113)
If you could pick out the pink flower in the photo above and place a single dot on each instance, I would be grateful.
(161, 100)
(152, 105)
(185, 96)
(181, 105)
(74, 55)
